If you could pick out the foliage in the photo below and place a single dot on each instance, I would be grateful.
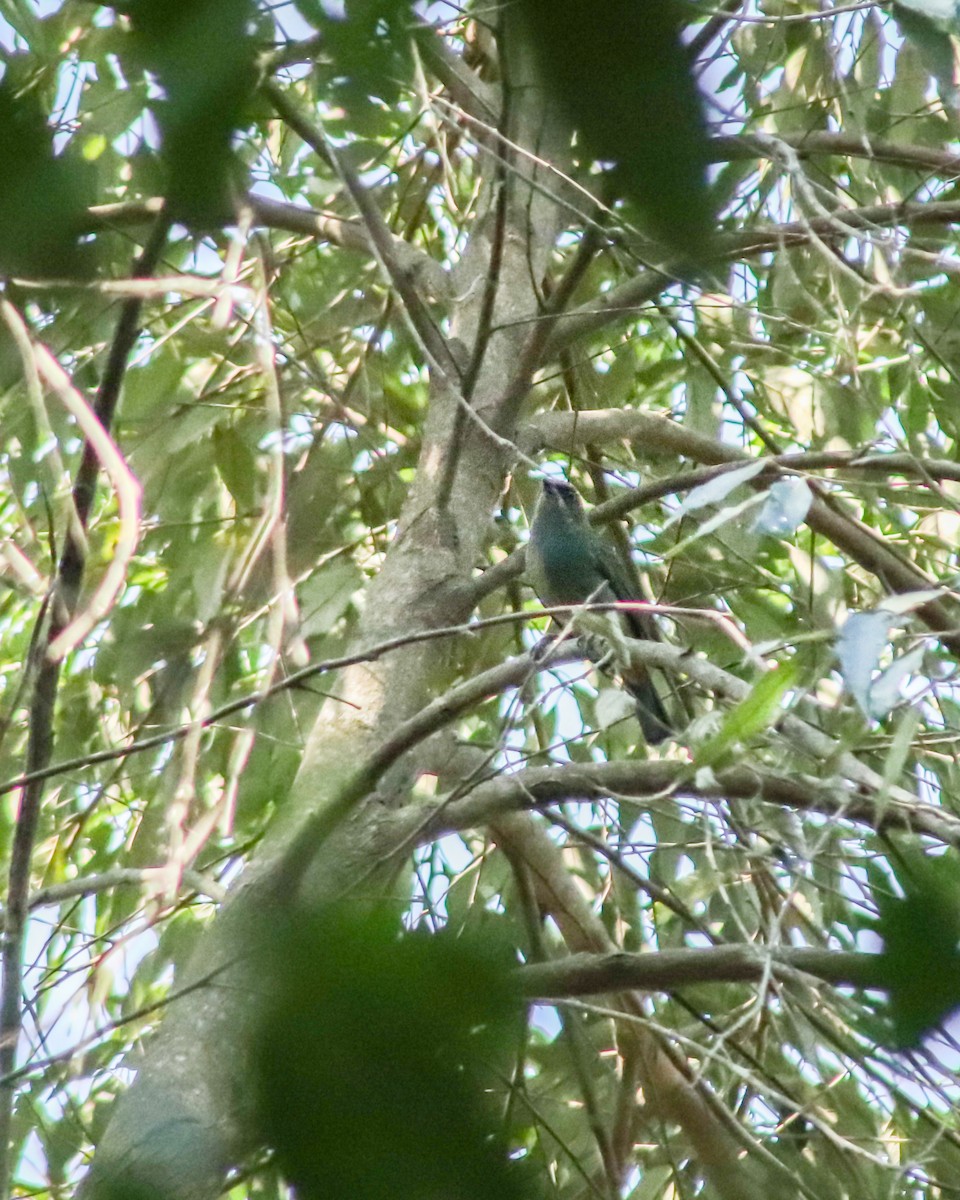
(278, 409)
(370, 1066)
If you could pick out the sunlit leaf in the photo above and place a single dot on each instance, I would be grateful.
(752, 715)
(885, 689)
(716, 490)
(785, 508)
(861, 641)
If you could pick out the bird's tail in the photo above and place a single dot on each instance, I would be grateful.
(651, 714)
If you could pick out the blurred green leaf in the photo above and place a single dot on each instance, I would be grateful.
(237, 465)
(752, 715)
(622, 78)
(42, 196)
(371, 1057)
(202, 54)
(921, 945)
(932, 26)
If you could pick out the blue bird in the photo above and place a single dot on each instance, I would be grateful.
(569, 563)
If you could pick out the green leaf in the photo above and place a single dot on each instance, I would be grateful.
(237, 465)
(752, 715)
(370, 1054)
(622, 80)
(203, 56)
(370, 48)
(928, 24)
(42, 201)
(921, 940)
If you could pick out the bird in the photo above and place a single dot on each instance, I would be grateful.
(569, 563)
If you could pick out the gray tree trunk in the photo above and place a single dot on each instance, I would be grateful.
(181, 1125)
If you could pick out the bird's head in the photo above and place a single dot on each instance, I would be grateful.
(559, 504)
(560, 494)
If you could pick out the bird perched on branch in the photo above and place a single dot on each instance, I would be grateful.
(569, 563)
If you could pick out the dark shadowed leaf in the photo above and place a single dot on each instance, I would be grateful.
(372, 1054)
(202, 54)
(921, 938)
(369, 49)
(623, 82)
(931, 25)
(41, 196)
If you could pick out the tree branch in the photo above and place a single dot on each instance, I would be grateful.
(624, 301)
(465, 88)
(294, 680)
(425, 272)
(668, 970)
(672, 1089)
(541, 786)
(828, 515)
(820, 142)
(91, 885)
(381, 240)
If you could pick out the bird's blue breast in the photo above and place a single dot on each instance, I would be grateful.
(565, 568)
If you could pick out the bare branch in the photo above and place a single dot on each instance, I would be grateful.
(127, 488)
(153, 879)
(667, 970)
(464, 86)
(425, 272)
(540, 786)
(623, 302)
(820, 142)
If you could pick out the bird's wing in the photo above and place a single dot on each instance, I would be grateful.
(654, 721)
(610, 566)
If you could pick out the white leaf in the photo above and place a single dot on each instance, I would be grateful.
(613, 704)
(907, 602)
(885, 689)
(786, 507)
(861, 641)
(717, 489)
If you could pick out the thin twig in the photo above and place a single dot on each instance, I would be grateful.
(53, 619)
(152, 878)
(127, 488)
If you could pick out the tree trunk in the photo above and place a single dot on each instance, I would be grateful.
(182, 1123)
